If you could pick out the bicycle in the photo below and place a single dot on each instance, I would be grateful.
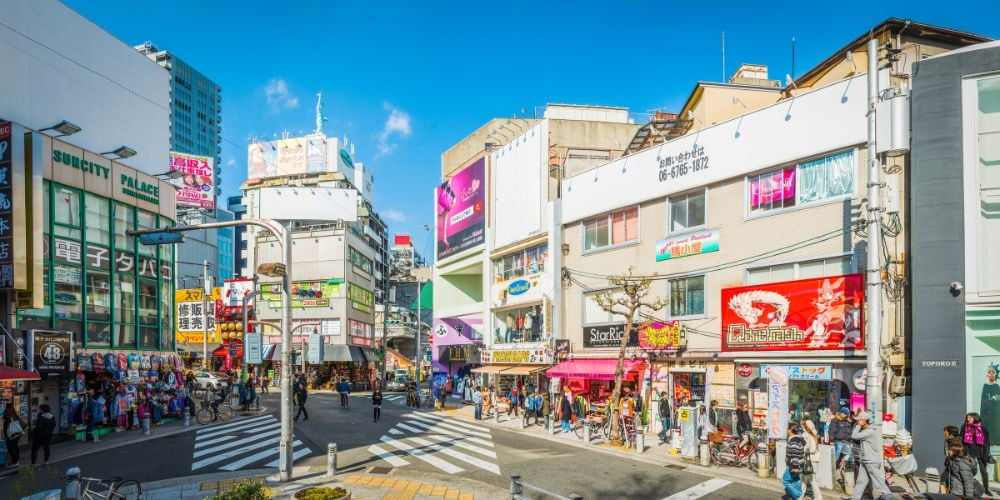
(211, 411)
(112, 489)
(728, 452)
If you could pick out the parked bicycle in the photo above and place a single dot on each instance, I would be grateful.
(90, 488)
(211, 411)
(725, 450)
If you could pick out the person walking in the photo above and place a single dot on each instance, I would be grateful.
(959, 477)
(13, 428)
(529, 408)
(252, 393)
(870, 467)
(377, 403)
(514, 402)
(344, 389)
(477, 401)
(565, 412)
(809, 485)
(796, 457)
(538, 407)
(301, 394)
(45, 425)
(976, 440)
(839, 432)
(663, 411)
(546, 409)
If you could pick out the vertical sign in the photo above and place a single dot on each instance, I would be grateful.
(777, 402)
(315, 349)
(252, 346)
(7, 144)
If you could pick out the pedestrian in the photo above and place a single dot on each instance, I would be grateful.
(976, 439)
(144, 414)
(546, 409)
(839, 432)
(565, 412)
(477, 401)
(744, 426)
(796, 458)
(13, 429)
(951, 437)
(812, 454)
(252, 393)
(538, 407)
(301, 394)
(442, 395)
(265, 382)
(344, 389)
(88, 415)
(870, 468)
(959, 476)
(514, 402)
(377, 403)
(45, 425)
(663, 411)
(713, 414)
(529, 408)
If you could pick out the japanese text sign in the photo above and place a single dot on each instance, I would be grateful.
(197, 188)
(655, 335)
(803, 372)
(7, 144)
(687, 245)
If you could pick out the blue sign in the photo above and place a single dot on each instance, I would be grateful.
(803, 372)
(518, 287)
(346, 157)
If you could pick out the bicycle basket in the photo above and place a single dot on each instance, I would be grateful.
(716, 437)
(206, 404)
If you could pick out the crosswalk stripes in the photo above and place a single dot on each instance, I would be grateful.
(444, 444)
(241, 444)
(700, 490)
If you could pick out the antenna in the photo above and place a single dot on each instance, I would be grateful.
(319, 113)
(723, 56)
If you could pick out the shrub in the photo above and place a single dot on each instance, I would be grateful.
(246, 491)
(321, 493)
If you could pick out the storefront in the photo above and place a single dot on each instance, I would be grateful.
(456, 345)
(506, 368)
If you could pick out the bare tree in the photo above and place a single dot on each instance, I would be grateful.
(626, 300)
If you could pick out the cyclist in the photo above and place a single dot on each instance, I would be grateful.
(219, 398)
(744, 426)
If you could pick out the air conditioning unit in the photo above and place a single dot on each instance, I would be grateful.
(900, 385)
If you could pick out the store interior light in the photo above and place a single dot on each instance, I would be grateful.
(64, 128)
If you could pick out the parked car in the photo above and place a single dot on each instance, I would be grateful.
(210, 381)
(398, 384)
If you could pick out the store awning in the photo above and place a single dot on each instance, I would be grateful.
(594, 369)
(523, 370)
(491, 368)
(223, 351)
(370, 354)
(11, 374)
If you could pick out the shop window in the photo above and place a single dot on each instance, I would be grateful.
(521, 263)
(615, 228)
(124, 221)
(148, 302)
(68, 292)
(147, 221)
(68, 325)
(98, 296)
(98, 335)
(166, 307)
(687, 296)
(816, 268)
(523, 324)
(988, 176)
(815, 181)
(67, 206)
(772, 191)
(34, 322)
(124, 304)
(98, 217)
(687, 212)
(126, 336)
(149, 337)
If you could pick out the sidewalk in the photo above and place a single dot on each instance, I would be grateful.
(70, 449)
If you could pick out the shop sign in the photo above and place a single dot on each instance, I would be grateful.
(253, 347)
(51, 351)
(812, 314)
(457, 353)
(803, 372)
(518, 287)
(744, 370)
(192, 316)
(466, 327)
(777, 399)
(16, 348)
(304, 293)
(198, 186)
(939, 363)
(141, 190)
(8, 141)
(124, 262)
(359, 261)
(147, 267)
(98, 257)
(515, 356)
(234, 290)
(460, 203)
(687, 245)
(684, 415)
(361, 299)
(88, 167)
(608, 336)
(657, 336)
(675, 166)
(315, 350)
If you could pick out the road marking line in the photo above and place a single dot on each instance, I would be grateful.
(699, 490)
(450, 441)
(199, 442)
(425, 428)
(257, 457)
(482, 464)
(458, 423)
(395, 431)
(232, 453)
(432, 422)
(422, 455)
(245, 441)
(295, 456)
(387, 455)
(216, 428)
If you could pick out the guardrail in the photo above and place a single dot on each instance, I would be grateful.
(517, 488)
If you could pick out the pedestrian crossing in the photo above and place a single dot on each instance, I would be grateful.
(395, 398)
(247, 443)
(448, 445)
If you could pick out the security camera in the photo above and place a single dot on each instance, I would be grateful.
(956, 288)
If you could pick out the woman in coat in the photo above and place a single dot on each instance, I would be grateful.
(11, 435)
(812, 447)
(959, 477)
(565, 412)
(976, 440)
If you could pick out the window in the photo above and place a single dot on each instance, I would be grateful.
(98, 335)
(809, 182)
(68, 292)
(611, 229)
(593, 314)
(148, 301)
(147, 221)
(521, 263)
(67, 212)
(166, 316)
(124, 304)
(687, 296)
(988, 177)
(98, 218)
(816, 268)
(98, 296)
(523, 324)
(687, 212)
(124, 220)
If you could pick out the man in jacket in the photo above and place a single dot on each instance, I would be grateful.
(840, 433)
(344, 389)
(529, 408)
(514, 402)
(45, 424)
(546, 408)
(795, 460)
(663, 411)
(870, 468)
(477, 400)
(301, 395)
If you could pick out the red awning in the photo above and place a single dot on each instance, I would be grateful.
(223, 351)
(594, 369)
(11, 374)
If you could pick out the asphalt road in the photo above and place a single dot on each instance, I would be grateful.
(415, 440)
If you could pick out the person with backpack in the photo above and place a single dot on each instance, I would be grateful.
(514, 402)
(538, 407)
(13, 429)
(529, 408)
(796, 458)
(45, 425)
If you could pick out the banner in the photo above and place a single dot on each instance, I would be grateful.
(657, 336)
(803, 372)
(8, 143)
(461, 214)
(192, 315)
(811, 314)
(197, 188)
(777, 403)
(234, 290)
(689, 244)
(605, 336)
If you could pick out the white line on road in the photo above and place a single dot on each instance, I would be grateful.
(469, 459)
(297, 455)
(699, 490)
(434, 422)
(242, 423)
(451, 441)
(424, 428)
(250, 430)
(233, 453)
(387, 455)
(422, 455)
(395, 431)
(257, 457)
(244, 441)
(458, 423)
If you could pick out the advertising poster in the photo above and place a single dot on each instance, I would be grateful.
(51, 351)
(985, 387)
(315, 154)
(7, 145)
(811, 314)
(292, 156)
(662, 336)
(687, 245)
(233, 291)
(304, 293)
(461, 214)
(192, 316)
(197, 186)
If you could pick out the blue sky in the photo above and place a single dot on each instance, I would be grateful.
(407, 80)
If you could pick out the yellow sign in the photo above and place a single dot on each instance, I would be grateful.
(191, 316)
(684, 415)
(24, 299)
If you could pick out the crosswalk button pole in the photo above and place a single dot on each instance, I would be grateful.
(331, 459)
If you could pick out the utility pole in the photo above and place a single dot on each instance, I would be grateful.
(873, 382)
(420, 357)
(207, 290)
(386, 306)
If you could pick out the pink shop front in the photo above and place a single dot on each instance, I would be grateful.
(456, 346)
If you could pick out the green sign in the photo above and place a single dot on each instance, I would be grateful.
(359, 260)
(687, 245)
(361, 299)
(145, 191)
(304, 294)
(78, 163)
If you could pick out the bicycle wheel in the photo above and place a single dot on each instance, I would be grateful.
(204, 416)
(753, 459)
(715, 454)
(225, 412)
(126, 490)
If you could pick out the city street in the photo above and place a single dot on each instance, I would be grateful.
(415, 440)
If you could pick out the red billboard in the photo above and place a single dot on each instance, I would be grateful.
(803, 315)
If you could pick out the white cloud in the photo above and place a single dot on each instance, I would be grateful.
(279, 98)
(393, 214)
(231, 162)
(397, 125)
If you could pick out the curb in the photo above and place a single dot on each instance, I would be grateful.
(152, 486)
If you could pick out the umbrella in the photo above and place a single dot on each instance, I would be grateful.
(11, 374)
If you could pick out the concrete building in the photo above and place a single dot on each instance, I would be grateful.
(235, 205)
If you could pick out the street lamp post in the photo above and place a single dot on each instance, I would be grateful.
(246, 298)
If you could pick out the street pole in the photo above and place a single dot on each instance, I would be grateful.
(386, 307)
(287, 432)
(246, 298)
(420, 357)
(873, 382)
(207, 290)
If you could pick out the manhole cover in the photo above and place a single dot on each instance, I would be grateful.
(675, 467)
(380, 470)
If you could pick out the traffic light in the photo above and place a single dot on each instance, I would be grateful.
(271, 269)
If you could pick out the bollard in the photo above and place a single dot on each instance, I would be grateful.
(703, 457)
(515, 486)
(187, 418)
(933, 478)
(552, 426)
(97, 436)
(586, 432)
(762, 468)
(640, 441)
(520, 421)
(496, 416)
(331, 459)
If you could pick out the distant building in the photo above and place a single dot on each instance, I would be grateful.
(235, 205)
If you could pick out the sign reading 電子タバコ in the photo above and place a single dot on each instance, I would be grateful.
(51, 351)
(676, 166)
(7, 145)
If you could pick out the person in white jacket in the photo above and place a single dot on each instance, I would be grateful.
(812, 447)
